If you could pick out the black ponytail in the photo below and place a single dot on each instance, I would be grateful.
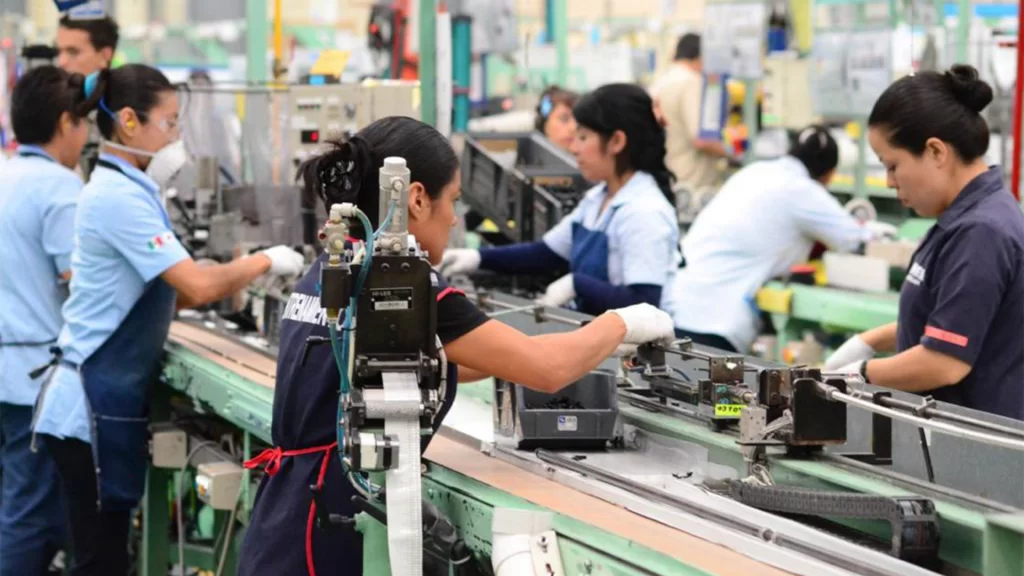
(340, 175)
(39, 100)
(629, 108)
(348, 170)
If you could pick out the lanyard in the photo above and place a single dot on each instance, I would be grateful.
(112, 166)
(33, 153)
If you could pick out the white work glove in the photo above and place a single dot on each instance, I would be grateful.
(853, 351)
(645, 323)
(460, 261)
(559, 292)
(880, 230)
(284, 261)
(852, 369)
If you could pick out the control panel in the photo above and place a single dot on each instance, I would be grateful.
(319, 113)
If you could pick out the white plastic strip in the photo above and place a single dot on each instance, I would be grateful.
(404, 504)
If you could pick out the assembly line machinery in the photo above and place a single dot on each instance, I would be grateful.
(679, 459)
(775, 468)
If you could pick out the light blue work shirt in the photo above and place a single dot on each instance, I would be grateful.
(642, 229)
(123, 240)
(763, 221)
(37, 218)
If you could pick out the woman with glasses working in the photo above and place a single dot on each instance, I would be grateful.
(128, 274)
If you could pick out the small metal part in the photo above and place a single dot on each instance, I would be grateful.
(726, 369)
(752, 424)
(373, 452)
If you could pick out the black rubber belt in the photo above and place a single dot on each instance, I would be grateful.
(915, 525)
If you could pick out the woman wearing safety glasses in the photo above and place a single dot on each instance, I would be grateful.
(129, 274)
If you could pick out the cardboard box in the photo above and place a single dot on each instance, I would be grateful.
(855, 272)
(898, 254)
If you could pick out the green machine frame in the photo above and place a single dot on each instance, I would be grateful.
(469, 504)
(990, 545)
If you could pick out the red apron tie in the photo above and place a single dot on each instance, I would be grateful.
(270, 459)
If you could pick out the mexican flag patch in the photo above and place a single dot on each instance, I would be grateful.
(160, 240)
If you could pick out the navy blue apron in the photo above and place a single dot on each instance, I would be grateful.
(284, 536)
(118, 379)
(590, 251)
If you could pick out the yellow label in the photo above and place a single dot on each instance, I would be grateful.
(728, 410)
(330, 63)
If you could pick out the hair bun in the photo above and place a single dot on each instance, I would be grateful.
(968, 88)
(813, 137)
(76, 81)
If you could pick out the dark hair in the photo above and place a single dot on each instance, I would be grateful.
(930, 104)
(39, 99)
(816, 149)
(103, 32)
(348, 171)
(134, 86)
(688, 47)
(628, 108)
(549, 98)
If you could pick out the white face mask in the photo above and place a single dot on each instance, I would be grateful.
(167, 162)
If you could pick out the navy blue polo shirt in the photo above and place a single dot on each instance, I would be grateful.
(964, 296)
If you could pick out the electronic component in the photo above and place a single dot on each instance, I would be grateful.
(218, 484)
(309, 136)
(169, 446)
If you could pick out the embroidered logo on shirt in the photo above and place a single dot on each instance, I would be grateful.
(916, 274)
(160, 240)
(945, 336)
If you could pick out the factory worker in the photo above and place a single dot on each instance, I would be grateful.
(765, 219)
(678, 94)
(38, 193)
(86, 46)
(961, 315)
(282, 537)
(621, 241)
(129, 272)
(554, 116)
